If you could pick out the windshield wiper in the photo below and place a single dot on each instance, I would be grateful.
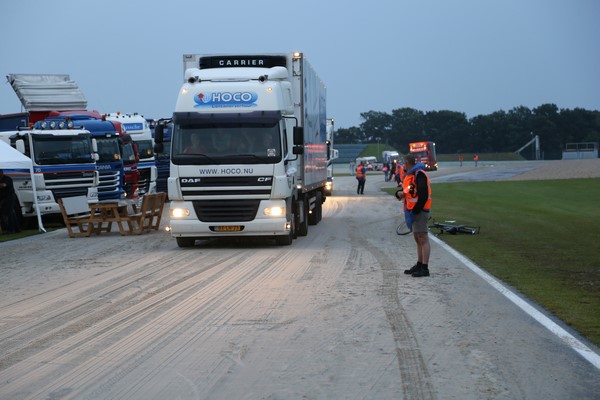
(263, 159)
(200, 155)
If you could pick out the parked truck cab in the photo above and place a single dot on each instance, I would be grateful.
(64, 165)
(138, 128)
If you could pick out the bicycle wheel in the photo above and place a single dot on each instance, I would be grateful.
(402, 229)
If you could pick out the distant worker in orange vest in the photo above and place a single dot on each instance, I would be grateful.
(475, 158)
(460, 159)
(361, 177)
(400, 173)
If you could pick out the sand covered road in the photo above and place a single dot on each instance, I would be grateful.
(331, 316)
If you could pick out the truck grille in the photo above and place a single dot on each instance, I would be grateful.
(109, 185)
(226, 210)
(69, 183)
(227, 186)
(144, 180)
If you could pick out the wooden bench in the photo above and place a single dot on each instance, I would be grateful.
(76, 213)
(149, 215)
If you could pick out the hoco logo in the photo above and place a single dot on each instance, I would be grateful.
(226, 99)
(191, 180)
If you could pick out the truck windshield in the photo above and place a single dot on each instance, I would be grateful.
(128, 154)
(108, 150)
(239, 143)
(419, 154)
(51, 149)
(145, 150)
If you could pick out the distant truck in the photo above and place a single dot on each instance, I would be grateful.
(249, 148)
(11, 122)
(64, 165)
(390, 156)
(40, 94)
(370, 162)
(163, 159)
(424, 152)
(138, 128)
(110, 164)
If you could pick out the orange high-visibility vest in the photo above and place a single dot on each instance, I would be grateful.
(400, 172)
(361, 172)
(410, 190)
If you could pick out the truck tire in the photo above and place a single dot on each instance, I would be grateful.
(186, 241)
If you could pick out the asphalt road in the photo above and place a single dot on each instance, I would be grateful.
(330, 317)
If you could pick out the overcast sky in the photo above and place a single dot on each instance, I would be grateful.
(471, 56)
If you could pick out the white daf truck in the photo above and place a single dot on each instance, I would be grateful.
(248, 148)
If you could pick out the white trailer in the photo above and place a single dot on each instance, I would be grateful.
(248, 148)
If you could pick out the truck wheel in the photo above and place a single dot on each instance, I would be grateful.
(302, 225)
(185, 241)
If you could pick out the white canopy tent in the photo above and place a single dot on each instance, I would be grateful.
(14, 162)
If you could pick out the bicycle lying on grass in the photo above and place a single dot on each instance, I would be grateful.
(452, 228)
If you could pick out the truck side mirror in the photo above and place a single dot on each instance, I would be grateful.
(298, 150)
(159, 134)
(298, 140)
(298, 136)
(20, 145)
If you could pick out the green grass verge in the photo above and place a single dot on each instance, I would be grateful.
(51, 224)
(541, 237)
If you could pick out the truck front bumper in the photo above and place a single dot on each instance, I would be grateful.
(262, 225)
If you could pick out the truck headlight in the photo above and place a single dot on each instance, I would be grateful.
(180, 212)
(274, 211)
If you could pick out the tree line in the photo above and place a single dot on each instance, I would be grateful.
(500, 131)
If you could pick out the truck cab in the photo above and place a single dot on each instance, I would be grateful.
(248, 150)
(64, 165)
(110, 165)
(138, 128)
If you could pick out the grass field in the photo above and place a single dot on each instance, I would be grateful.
(541, 237)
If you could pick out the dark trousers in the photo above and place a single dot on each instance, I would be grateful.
(8, 217)
(361, 186)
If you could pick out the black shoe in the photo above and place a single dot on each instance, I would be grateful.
(413, 269)
(421, 272)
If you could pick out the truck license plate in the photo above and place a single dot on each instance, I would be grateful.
(231, 228)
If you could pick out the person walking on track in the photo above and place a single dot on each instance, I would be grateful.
(361, 177)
